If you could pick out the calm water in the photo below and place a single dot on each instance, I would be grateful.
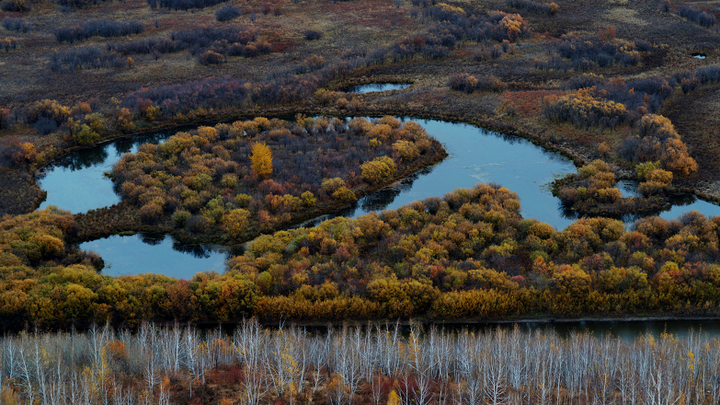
(77, 183)
(371, 88)
(137, 254)
(480, 156)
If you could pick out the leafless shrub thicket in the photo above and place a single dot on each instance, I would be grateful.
(375, 364)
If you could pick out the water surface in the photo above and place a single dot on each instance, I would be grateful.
(137, 254)
(76, 181)
(376, 87)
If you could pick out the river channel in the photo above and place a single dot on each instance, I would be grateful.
(77, 183)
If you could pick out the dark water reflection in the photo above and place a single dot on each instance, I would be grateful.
(137, 254)
(626, 330)
(76, 181)
(623, 329)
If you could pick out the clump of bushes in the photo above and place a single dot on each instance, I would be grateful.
(8, 43)
(533, 6)
(593, 184)
(85, 58)
(71, 5)
(79, 122)
(206, 43)
(453, 25)
(592, 191)
(469, 83)
(699, 17)
(211, 58)
(227, 12)
(48, 115)
(15, 6)
(689, 81)
(15, 24)
(103, 28)
(587, 52)
(312, 35)
(183, 4)
(586, 109)
(654, 180)
(494, 52)
(655, 139)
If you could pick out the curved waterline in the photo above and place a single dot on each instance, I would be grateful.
(475, 155)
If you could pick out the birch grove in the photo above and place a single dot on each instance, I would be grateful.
(363, 364)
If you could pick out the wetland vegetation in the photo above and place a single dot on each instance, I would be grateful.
(626, 90)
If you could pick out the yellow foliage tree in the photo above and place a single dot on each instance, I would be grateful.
(393, 398)
(236, 221)
(261, 159)
(378, 170)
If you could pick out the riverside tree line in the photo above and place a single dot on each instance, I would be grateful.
(372, 364)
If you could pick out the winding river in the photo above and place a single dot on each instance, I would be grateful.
(77, 183)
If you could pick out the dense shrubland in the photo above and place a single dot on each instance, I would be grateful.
(376, 364)
(592, 190)
(258, 175)
(469, 255)
(611, 103)
(470, 83)
(102, 28)
(446, 28)
(92, 57)
(183, 4)
(271, 286)
(588, 52)
(533, 6)
(699, 17)
(231, 40)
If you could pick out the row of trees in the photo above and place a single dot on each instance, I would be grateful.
(376, 364)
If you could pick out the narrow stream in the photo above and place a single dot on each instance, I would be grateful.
(371, 88)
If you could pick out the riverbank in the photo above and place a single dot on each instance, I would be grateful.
(399, 103)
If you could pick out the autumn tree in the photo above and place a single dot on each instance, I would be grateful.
(261, 159)
(236, 221)
(378, 170)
